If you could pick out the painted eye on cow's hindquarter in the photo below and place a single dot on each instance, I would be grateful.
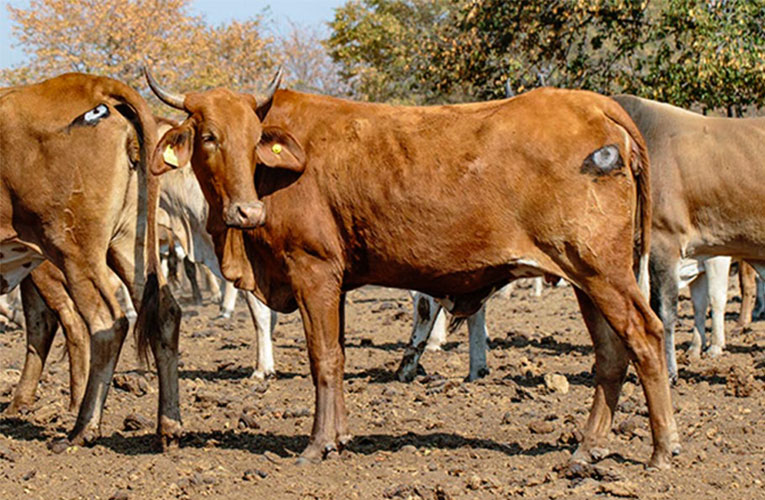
(603, 161)
(96, 114)
(92, 117)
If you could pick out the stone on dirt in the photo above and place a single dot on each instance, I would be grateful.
(556, 382)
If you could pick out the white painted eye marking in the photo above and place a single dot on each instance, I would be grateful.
(605, 157)
(95, 114)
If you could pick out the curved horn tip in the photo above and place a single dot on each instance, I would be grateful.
(170, 98)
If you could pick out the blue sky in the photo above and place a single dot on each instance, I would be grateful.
(306, 12)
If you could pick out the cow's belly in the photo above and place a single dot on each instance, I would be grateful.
(17, 260)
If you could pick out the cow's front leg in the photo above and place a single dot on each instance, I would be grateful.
(478, 345)
(321, 303)
(426, 314)
(264, 321)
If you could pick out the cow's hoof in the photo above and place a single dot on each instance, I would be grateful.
(739, 330)
(405, 374)
(262, 375)
(306, 461)
(589, 454)
(694, 352)
(59, 445)
(169, 433)
(714, 351)
(343, 441)
(659, 461)
(432, 348)
(17, 409)
(224, 314)
(481, 373)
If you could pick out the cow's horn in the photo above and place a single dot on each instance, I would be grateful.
(264, 100)
(169, 98)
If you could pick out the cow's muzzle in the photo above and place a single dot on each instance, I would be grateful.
(245, 215)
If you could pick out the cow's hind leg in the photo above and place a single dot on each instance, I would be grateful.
(190, 268)
(640, 331)
(92, 292)
(747, 278)
(611, 362)
(158, 322)
(664, 299)
(700, 299)
(41, 326)
(717, 269)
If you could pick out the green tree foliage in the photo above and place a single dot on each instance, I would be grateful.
(710, 53)
(384, 46)
(688, 52)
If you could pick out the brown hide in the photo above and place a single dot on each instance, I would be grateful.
(446, 200)
(454, 201)
(74, 187)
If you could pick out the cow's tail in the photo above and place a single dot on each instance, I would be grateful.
(158, 306)
(640, 167)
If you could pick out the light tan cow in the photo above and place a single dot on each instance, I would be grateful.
(74, 190)
(708, 194)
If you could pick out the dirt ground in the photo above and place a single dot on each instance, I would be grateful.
(505, 436)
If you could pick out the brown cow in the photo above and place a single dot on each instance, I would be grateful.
(454, 201)
(74, 151)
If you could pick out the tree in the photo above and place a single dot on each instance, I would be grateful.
(465, 50)
(307, 65)
(382, 47)
(710, 53)
(115, 37)
(688, 52)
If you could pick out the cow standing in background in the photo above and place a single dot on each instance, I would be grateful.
(74, 190)
(454, 201)
(708, 198)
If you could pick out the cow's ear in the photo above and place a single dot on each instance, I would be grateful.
(279, 149)
(174, 149)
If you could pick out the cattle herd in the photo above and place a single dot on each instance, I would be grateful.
(296, 199)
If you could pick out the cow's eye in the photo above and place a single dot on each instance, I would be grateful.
(209, 139)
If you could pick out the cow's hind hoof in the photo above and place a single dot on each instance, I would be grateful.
(475, 376)
(169, 433)
(17, 410)
(60, 445)
(659, 461)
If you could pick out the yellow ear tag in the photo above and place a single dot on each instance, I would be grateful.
(169, 157)
(276, 148)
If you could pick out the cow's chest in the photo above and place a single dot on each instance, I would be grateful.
(16, 262)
